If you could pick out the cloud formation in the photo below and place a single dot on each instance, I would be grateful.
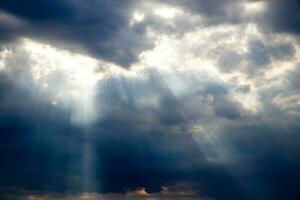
(149, 100)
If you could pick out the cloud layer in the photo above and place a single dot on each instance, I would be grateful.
(149, 100)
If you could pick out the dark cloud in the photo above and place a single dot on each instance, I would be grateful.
(100, 28)
(199, 143)
(37, 10)
(282, 16)
(133, 147)
(42, 151)
(228, 109)
(270, 155)
(168, 193)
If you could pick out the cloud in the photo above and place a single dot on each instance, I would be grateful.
(281, 16)
(55, 21)
(116, 38)
(213, 11)
(209, 108)
(17, 193)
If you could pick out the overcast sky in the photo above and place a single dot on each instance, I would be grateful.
(153, 99)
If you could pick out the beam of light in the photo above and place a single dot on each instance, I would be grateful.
(174, 60)
(172, 55)
(76, 90)
(88, 162)
(68, 78)
(69, 81)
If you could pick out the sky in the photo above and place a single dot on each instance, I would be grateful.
(154, 99)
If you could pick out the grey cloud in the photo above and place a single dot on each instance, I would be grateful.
(215, 12)
(282, 51)
(228, 109)
(243, 88)
(229, 60)
(261, 54)
(216, 88)
(258, 53)
(100, 28)
(293, 77)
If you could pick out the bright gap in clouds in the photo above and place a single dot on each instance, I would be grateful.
(68, 79)
(255, 6)
(167, 12)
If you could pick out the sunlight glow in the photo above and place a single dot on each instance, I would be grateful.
(3, 55)
(69, 78)
(138, 16)
(167, 12)
(255, 6)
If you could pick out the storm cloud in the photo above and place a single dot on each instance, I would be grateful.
(149, 99)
